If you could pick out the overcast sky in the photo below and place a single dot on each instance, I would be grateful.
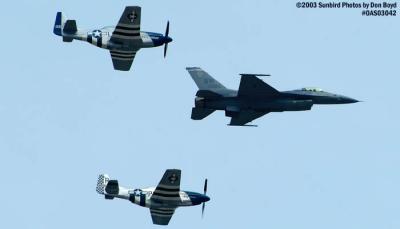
(67, 116)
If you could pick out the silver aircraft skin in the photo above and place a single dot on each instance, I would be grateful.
(161, 200)
(123, 40)
(254, 98)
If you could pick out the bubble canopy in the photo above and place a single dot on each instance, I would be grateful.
(313, 89)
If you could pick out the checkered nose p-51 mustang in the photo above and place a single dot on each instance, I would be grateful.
(123, 40)
(162, 200)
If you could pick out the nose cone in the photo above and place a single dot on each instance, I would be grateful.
(198, 198)
(202, 198)
(167, 39)
(345, 99)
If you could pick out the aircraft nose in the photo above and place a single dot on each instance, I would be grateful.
(203, 198)
(349, 100)
(199, 198)
(168, 39)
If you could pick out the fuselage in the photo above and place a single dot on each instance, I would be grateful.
(295, 100)
(102, 39)
(142, 197)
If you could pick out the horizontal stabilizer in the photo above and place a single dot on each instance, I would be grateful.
(201, 113)
(68, 39)
(112, 187)
(108, 197)
(207, 94)
(70, 27)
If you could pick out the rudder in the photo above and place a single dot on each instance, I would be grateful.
(59, 24)
(63, 27)
(102, 183)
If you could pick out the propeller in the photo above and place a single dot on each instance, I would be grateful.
(204, 203)
(166, 43)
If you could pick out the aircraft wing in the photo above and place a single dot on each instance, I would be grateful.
(251, 86)
(161, 216)
(244, 117)
(122, 60)
(127, 31)
(169, 187)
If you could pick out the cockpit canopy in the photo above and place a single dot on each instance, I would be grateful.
(313, 89)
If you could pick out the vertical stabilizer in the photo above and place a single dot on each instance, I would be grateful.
(102, 183)
(59, 24)
(204, 81)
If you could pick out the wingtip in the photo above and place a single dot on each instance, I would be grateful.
(249, 74)
(192, 68)
(246, 125)
(174, 170)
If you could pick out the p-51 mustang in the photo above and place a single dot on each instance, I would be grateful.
(123, 41)
(254, 98)
(162, 200)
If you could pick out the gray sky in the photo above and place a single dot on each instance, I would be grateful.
(67, 116)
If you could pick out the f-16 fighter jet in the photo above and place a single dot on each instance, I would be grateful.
(162, 200)
(123, 41)
(254, 98)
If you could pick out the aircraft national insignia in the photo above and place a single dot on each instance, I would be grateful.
(96, 33)
(173, 178)
(132, 16)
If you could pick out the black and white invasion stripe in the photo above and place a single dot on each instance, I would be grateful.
(97, 41)
(166, 192)
(123, 55)
(162, 212)
(126, 31)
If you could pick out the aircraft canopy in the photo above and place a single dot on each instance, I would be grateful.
(314, 89)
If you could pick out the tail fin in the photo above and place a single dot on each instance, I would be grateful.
(102, 183)
(108, 188)
(59, 24)
(204, 81)
(63, 27)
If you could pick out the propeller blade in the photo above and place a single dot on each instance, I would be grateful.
(204, 203)
(165, 49)
(205, 186)
(202, 210)
(166, 44)
(167, 30)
